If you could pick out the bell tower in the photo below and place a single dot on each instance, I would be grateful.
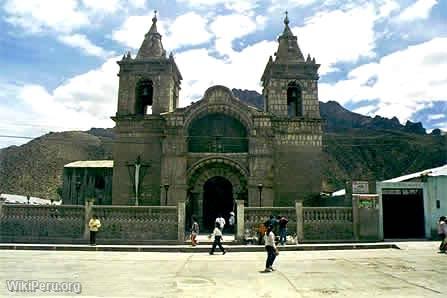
(149, 87)
(150, 82)
(291, 101)
(290, 81)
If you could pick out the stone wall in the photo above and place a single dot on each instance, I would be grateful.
(41, 224)
(69, 223)
(328, 223)
(122, 224)
(255, 216)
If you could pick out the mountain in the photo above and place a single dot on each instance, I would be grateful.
(356, 147)
(36, 168)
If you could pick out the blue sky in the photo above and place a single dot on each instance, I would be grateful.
(58, 58)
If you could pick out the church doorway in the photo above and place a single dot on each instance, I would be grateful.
(217, 200)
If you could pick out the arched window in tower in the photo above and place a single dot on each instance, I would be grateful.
(294, 101)
(144, 97)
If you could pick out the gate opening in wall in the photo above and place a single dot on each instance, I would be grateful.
(403, 213)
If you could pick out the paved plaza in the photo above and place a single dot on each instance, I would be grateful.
(416, 270)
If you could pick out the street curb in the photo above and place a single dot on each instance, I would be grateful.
(197, 249)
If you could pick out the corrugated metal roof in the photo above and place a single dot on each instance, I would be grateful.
(439, 171)
(90, 164)
(18, 199)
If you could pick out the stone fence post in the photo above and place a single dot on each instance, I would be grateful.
(355, 217)
(181, 209)
(240, 221)
(299, 222)
(1, 218)
(88, 212)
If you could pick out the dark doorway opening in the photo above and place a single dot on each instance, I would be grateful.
(217, 199)
(403, 213)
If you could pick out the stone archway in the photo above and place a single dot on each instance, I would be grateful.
(224, 174)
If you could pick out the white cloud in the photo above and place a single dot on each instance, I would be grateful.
(241, 69)
(187, 29)
(38, 15)
(227, 28)
(82, 42)
(339, 36)
(405, 81)
(234, 5)
(436, 116)
(419, 10)
(388, 7)
(85, 101)
(105, 6)
(366, 110)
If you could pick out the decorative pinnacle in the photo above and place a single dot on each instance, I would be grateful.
(154, 19)
(286, 19)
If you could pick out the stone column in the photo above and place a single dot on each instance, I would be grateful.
(88, 212)
(355, 217)
(299, 221)
(240, 222)
(181, 208)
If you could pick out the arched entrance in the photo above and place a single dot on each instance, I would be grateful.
(217, 200)
(213, 186)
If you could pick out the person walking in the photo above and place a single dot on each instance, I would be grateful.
(217, 233)
(442, 233)
(94, 224)
(283, 230)
(270, 247)
(194, 231)
(221, 221)
(231, 222)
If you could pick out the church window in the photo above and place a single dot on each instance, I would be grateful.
(217, 133)
(294, 101)
(144, 97)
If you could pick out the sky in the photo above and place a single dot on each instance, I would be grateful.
(59, 70)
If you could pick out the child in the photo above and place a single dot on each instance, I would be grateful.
(194, 231)
(94, 225)
(271, 249)
(217, 233)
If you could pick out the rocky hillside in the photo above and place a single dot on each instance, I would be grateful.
(355, 147)
(36, 167)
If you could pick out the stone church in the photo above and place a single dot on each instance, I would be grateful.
(218, 149)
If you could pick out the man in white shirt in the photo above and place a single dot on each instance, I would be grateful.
(271, 249)
(221, 221)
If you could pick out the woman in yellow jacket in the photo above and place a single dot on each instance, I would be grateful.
(94, 225)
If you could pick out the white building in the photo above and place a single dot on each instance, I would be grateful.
(18, 199)
(411, 205)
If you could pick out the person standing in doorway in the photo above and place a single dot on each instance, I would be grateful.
(217, 234)
(442, 233)
(221, 221)
(231, 222)
(94, 224)
(283, 230)
(270, 247)
(194, 231)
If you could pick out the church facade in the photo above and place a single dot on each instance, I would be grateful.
(218, 149)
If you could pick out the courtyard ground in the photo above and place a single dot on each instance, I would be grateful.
(415, 270)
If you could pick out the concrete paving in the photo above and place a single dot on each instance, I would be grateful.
(415, 270)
